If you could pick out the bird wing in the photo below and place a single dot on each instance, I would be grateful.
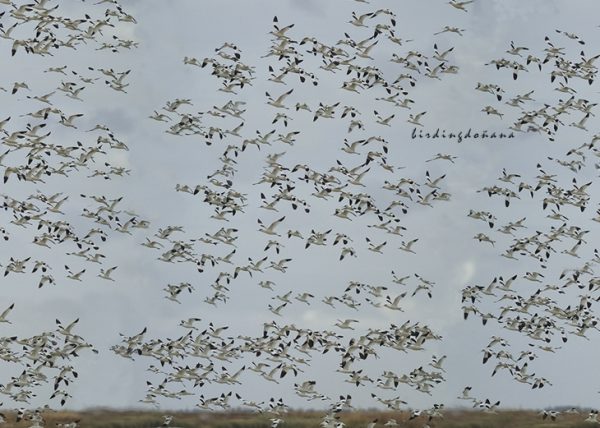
(6, 311)
(283, 96)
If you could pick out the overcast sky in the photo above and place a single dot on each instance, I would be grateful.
(446, 252)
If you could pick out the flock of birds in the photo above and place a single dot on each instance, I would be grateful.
(205, 356)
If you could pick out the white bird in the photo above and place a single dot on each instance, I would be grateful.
(189, 323)
(345, 324)
(414, 119)
(407, 246)
(270, 230)
(68, 120)
(592, 417)
(105, 273)
(4, 314)
(359, 21)
(372, 424)
(278, 102)
(460, 5)
(465, 393)
(74, 276)
(375, 248)
(393, 304)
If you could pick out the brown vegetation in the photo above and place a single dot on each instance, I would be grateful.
(452, 419)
